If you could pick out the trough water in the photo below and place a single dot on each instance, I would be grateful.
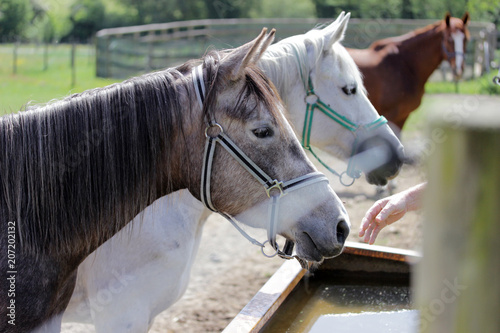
(346, 302)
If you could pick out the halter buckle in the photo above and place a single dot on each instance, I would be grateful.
(276, 250)
(346, 183)
(221, 131)
(311, 98)
(276, 185)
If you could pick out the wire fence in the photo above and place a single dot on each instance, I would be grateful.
(128, 51)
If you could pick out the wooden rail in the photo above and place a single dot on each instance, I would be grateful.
(127, 51)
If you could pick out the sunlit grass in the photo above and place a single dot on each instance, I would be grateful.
(32, 83)
(483, 85)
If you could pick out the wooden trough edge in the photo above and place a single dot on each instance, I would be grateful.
(270, 297)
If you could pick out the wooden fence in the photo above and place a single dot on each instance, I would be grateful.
(127, 51)
(457, 282)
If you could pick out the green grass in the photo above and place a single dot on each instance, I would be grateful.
(33, 84)
(483, 86)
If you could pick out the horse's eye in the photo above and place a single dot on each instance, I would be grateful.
(349, 90)
(263, 132)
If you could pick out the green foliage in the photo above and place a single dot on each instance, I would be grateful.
(14, 17)
(80, 19)
(87, 17)
(153, 11)
(430, 9)
(230, 8)
(488, 11)
(285, 9)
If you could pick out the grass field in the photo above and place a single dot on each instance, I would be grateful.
(33, 84)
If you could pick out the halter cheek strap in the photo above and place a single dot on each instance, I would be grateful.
(275, 189)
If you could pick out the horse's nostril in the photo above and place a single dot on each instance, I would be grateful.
(342, 231)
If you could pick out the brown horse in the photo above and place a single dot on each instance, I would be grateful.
(396, 69)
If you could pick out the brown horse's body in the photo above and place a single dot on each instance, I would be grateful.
(396, 69)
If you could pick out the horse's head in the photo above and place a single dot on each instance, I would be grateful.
(455, 37)
(258, 160)
(345, 122)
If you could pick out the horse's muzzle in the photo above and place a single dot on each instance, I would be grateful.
(379, 160)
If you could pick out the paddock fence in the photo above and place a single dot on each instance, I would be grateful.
(127, 51)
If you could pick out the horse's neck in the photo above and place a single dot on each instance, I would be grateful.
(423, 51)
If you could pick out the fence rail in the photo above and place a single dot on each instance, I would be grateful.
(123, 52)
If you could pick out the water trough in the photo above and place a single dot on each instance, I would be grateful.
(366, 288)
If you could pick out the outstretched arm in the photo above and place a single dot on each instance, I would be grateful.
(389, 210)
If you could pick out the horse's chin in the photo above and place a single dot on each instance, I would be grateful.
(307, 250)
(375, 178)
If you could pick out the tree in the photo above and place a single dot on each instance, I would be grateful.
(14, 18)
(230, 8)
(87, 17)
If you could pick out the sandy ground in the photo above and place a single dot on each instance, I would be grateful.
(229, 270)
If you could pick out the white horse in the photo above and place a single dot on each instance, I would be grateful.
(144, 269)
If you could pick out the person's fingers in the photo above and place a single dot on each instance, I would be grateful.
(369, 232)
(364, 225)
(374, 235)
(370, 216)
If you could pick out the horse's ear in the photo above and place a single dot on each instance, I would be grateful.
(338, 34)
(339, 18)
(447, 18)
(245, 55)
(265, 44)
(465, 18)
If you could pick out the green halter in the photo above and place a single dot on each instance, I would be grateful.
(314, 102)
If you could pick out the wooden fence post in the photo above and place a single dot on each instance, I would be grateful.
(73, 63)
(14, 58)
(458, 281)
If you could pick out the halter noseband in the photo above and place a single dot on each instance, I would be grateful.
(275, 189)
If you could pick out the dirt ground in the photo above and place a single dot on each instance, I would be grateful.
(229, 270)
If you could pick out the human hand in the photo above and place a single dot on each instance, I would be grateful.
(389, 210)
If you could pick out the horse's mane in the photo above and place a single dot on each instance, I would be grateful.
(291, 52)
(409, 36)
(71, 161)
(419, 33)
(69, 166)
(87, 164)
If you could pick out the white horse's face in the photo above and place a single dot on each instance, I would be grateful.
(455, 38)
(337, 82)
